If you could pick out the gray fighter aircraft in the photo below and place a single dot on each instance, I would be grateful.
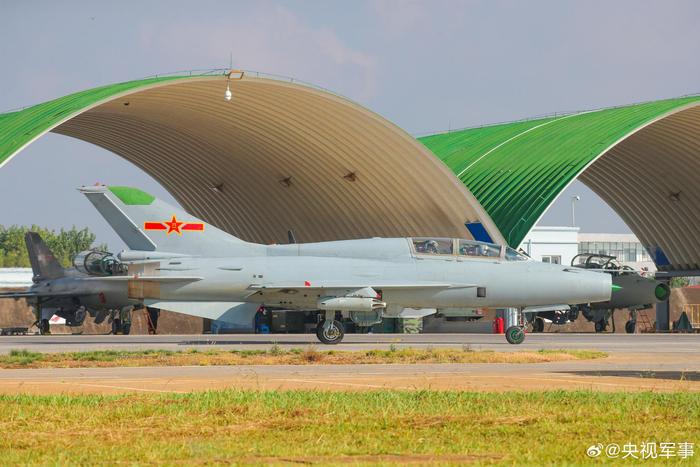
(180, 263)
(73, 293)
(631, 290)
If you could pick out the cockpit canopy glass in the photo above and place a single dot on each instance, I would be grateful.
(471, 248)
(603, 262)
(478, 249)
(433, 246)
(98, 263)
(514, 255)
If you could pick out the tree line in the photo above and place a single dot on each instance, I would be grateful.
(64, 244)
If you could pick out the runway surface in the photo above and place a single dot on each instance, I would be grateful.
(636, 362)
(638, 343)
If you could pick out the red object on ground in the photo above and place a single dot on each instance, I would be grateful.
(498, 326)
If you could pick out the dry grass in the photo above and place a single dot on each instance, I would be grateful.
(278, 356)
(318, 427)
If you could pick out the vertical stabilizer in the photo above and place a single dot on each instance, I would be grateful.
(45, 266)
(148, 224)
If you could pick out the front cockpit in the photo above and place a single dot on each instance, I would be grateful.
(448, 247)
(99, 263)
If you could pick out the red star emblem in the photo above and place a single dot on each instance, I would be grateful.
(174, 225)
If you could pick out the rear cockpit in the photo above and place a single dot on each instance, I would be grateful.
(450, 247)
(99, 263)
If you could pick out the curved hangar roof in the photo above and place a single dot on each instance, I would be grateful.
(287, 156)
(279, 156)
(643, 160)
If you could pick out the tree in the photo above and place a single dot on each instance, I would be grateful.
(65, 244)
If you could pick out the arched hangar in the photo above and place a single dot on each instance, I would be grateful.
(278, 156)
(643, 160)
(288, 156)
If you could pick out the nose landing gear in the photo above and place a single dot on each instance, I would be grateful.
(515, 335)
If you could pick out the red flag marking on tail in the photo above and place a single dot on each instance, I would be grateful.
(174, 225)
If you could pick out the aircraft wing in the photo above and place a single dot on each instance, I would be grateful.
(313, 285)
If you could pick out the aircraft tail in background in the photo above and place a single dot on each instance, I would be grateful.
(45, 266)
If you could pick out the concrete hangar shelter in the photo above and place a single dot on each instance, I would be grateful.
(282, 155)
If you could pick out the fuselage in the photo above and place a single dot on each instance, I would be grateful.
(78, 289)
(385, 264)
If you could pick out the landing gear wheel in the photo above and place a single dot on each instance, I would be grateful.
(538, 325)
(116, 326)
(630, 326)
(44, 327)
(515, 335)
(331, 336)
(600, 326)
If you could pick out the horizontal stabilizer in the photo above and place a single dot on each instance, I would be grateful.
(35, 294)
(18, 294)
(147, 278)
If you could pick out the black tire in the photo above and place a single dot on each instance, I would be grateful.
(333, 336)
(126, 328)
(44, 327)
(630, 326)
(79, 317)
(538, 325)
(600, 326)
(515, 335)
(116, 326)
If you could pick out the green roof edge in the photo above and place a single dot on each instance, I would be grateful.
(516, 170)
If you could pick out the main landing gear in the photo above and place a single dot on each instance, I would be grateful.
(44, 327)
(330, 332)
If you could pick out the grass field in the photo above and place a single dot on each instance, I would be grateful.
(337, 427)
(279, 356)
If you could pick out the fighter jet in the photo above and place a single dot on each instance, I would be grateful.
(631, 290)
(180, 263)
(74, 293)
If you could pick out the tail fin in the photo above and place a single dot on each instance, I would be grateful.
(148, 224)
(44, 263)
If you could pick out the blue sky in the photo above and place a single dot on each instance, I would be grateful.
(426, 65)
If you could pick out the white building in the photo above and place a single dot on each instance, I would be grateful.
(561, 244)
(556, 245)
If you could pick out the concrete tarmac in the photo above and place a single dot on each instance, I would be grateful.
(677, 344)
(657, 362)
(612, 374)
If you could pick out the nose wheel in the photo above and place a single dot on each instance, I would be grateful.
(515, 335)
